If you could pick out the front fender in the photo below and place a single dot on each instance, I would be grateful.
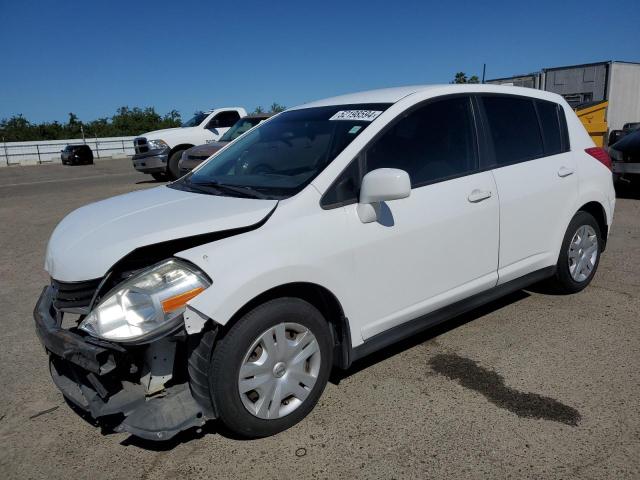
(283, 251)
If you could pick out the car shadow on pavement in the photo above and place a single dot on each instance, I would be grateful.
(338, 375)
(214, 427)
(186, 436)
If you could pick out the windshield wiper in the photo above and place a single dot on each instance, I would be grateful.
(243, 190)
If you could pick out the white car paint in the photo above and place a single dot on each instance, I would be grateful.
(85, 244)
(433, 248)
(194, 135)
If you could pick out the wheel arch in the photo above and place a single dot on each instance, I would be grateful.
(182, 146)
(321, 298)
(596, 209)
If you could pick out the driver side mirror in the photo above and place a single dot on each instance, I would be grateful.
(381, 185)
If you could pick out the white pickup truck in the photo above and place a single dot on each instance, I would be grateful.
(159, 152)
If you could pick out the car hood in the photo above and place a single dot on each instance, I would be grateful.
(207, 149)
(90, 240)
(161, 134)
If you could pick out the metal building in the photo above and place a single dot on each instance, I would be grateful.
(617, 82)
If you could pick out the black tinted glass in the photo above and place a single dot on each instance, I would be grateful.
(345, 189)
(514, 129)
(226, 119)
(281, 156)
(548, 113)
(432, 143)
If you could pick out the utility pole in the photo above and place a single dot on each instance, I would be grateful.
(82, 129)
(484, 68)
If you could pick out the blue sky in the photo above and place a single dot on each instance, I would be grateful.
(94, 56)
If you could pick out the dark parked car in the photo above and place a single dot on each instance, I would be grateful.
(77, 155)
(616, 135)
(194, 156)
(625, 154)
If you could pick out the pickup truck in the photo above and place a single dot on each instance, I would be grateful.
(158, 152)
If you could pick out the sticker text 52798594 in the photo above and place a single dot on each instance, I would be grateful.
(362, 115)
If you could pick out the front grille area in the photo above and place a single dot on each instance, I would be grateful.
(74, 295)
(140, 145)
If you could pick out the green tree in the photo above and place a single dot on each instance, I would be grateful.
(127, 121)
(277, 108)
(258, 110)
(461, 77)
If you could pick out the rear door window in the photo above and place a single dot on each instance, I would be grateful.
(514, 128)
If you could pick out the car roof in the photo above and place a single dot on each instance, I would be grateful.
(395, 94)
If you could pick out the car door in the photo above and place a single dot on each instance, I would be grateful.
(535, 174)
(440, 244)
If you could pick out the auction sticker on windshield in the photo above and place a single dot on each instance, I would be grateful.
(362, 115)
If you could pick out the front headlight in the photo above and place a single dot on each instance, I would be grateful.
(146, 305)
(157, 144)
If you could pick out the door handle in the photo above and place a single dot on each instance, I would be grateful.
(564, 172)
(478, 195)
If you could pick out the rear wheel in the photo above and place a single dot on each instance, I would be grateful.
(172, 168)
(580, 254)
(269, 370)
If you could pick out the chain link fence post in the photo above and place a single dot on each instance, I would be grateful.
(38, 150)
(6, 154)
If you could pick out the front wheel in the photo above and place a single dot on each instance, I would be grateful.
(580, 254)
(173, 171)
(269, 370)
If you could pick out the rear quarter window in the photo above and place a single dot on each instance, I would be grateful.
(549, 114)
(514, 128)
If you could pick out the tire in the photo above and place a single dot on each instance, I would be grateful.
(566, 280)
(159, 176)
(299, 378)
(173, 171)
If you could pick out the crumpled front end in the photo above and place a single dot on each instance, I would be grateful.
(141, 389)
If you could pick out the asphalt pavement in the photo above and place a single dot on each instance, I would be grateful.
(531, 386)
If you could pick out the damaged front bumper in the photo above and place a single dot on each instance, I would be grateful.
(144, 387)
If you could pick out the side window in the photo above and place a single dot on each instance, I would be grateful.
(514, 128)
(345, 189)
(550, 121)
(224, 120)
(432, 143)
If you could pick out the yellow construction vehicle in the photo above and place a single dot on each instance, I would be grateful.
(594, 118)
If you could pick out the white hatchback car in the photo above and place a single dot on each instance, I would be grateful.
(327, 232)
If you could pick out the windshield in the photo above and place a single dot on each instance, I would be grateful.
(280, 157)
(196, 120)
(241, 126)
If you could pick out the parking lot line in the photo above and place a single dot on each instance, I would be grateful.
(64, 180)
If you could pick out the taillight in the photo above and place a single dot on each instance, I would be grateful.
(601, 155)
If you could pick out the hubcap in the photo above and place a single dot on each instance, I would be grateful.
(583, 253)
(279, 370)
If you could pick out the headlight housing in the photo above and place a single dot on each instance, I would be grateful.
(148, 304)
(157, 144)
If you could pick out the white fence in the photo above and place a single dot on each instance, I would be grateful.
(48, 151)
